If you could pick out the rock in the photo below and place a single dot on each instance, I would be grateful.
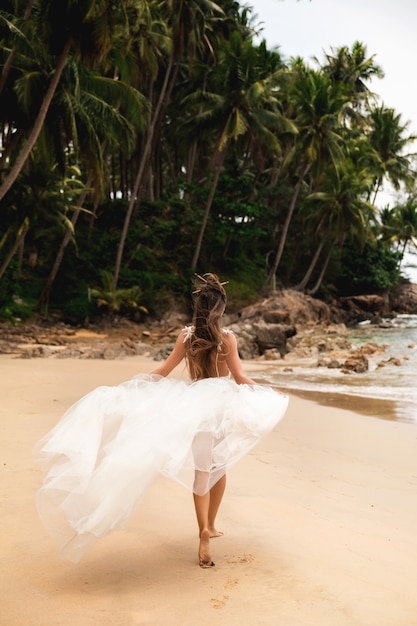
(369, 303)
(356, 363)
(272, 355)
(278, 316)
(391, 361)
(371, 348)
(290, 307)
(338, 329)
(163, 353)
(37, 352)
(269, 336)
(248, 350)
(329, 362)
(404, 299)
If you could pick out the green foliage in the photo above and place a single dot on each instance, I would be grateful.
(17, 310)
(274, 164)
(241, 292)
(117, 300)
(78, 308)
(371, 269)
(14, 306)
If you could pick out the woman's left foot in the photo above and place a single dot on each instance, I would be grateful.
(215, 533)
(204, 554)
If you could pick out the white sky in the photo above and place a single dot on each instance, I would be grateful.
(386, 27)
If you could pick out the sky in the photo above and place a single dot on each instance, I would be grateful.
(311, 28)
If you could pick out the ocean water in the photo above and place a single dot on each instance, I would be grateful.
(389, 392)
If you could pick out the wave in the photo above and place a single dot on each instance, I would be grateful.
(388, 383)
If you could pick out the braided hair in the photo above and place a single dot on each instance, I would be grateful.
(207, 338)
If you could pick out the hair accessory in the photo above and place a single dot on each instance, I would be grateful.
(226, 282)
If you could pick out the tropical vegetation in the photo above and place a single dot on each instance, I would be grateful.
(142, 141)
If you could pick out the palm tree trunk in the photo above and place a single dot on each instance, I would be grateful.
(377, 188)
(31, 140)
(286, 226)
(322, 273)
(217, 169)
(10, 59)
(276, 169)
(402, 252)
(303, 283)
(57, 264)
(20, 237)
(191, 158)
(144, 160)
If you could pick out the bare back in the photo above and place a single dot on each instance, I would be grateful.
(228, 360)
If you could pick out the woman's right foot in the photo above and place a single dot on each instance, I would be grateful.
(204, 553)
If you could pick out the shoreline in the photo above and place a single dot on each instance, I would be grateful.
(380, 408)
(296, 373)
(319, 522)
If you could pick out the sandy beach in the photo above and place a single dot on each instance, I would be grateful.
(320, 522)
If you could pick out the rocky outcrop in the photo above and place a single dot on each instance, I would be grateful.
(257, 338)
(62, 341)
(288, 325)
(404, 299)
(288, 307)
(374, 304)
(263, 328)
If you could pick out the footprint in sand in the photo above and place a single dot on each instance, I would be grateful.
(219, 603)
(244, 558)
(231, 583)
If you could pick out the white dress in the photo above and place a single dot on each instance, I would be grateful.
(102, 455)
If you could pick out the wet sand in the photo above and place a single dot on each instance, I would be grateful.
(320, 522)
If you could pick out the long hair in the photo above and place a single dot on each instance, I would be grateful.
(202, 349)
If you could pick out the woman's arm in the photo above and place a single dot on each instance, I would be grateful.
(233, 361)
(173, 359)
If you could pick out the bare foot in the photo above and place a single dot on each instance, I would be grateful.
(204, 553)
(215, 533)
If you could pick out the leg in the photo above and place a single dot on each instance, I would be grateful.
(216, 496)
(202, 504)
(206, 505)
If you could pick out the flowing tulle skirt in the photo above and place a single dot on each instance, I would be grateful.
(102, 455)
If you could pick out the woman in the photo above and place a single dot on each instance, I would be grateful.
(109, 446)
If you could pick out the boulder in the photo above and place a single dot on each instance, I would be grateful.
(272, 355)
(404, 299)
(356, 363)
(270, 336)
(276, 316)
(290, 307)
(369, 303)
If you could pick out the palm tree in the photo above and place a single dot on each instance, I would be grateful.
(353, 69)
(336, 211)
(318, 106)
(240, 101)
(88, 112)
(115, 299)
(404, 224)
(39, 207)
(16, 32)
(85, 28)
(68, 236)
(188, 23)
(20, 236)
(388, 139)
(386, 227)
